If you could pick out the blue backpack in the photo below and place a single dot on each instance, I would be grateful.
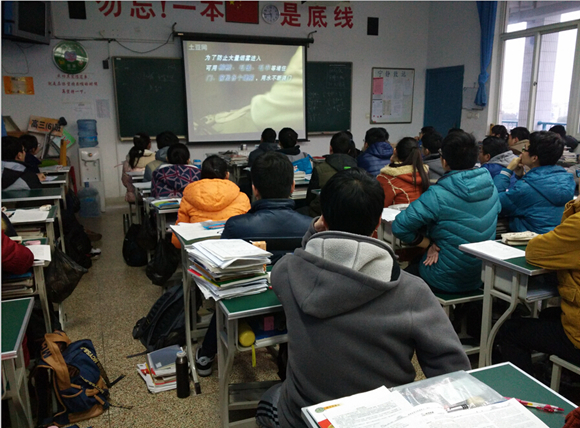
(304, 164)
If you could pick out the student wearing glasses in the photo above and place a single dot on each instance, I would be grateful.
(536, 201)
(15, 174)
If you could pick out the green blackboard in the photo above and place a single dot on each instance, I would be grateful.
(150, 96)
(328, 96)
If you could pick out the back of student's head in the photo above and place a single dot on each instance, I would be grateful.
(432, 141)
(11, 147)
(558, 129)
(452, 130)
(166, 139)
(269, 135)
(29, 142)
(273, 175)
(409, 153)
(494, 146)
(459, 150)
(376, 135)
(547, 146)
(141, 142)
(520, 132)
(427, 130)
(214, 167)
(499, 131)
(178, 154)
(352, 201)
(340, 142)
(287, 137)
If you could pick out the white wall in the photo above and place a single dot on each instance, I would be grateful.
(408, 38)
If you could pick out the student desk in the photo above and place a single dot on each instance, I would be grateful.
(136, 175)
(300, 189)
(507, 280)
(161, 216)
(228, 313)
(143, 188)
(15, 318)
(49, 223)
(55, 169)
(32, 195)
(60, 181)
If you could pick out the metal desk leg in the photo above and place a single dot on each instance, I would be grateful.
(226, 353)
(15, 372)
(488, 282)
(59, 216)
(63, 194)
(50, 234)
(188, 303)
(41, 287)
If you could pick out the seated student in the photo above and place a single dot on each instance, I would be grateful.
(15, 174)
(500, 132)
(377, 151)
(518, 138)
(536, 201)
(30, 144)
(405, 178)
(213, 197)
(431, 145)
(16, 258)
(337, 160)
(288, 138)
(424, 131)
(169, 180)
(557, 331)
(354, 318)
(569, 141)
(137, 159)
(164, 140)
(461, 208)
(267, 144)
(495, 155)
(272, 216)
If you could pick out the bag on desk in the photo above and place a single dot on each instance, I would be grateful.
(133, 253)
(304, 164)
(62, 276)
(164, 262)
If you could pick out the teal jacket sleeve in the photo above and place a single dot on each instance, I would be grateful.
(410, 225)
(508, 200)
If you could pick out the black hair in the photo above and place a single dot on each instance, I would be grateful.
(494, 146)
(141, 142)
(520, 133)
(269, 135)
(11, 147)
(452, 130)
(287, 137)
(499, 131)
(214, 167)
(29, 142)
(273, 175)
(432, 142)
(376, 135)
(427, 129)
(166, 139)
(460, 150)
(340, 142)
(547, 146)
(352, 201)
(178, 154)
(558, 129)
(408, 153)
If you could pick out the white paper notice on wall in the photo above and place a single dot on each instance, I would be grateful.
(103, 109)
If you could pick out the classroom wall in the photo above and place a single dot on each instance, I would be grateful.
(408, 38)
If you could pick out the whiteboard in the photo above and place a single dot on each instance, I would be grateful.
(392, 95)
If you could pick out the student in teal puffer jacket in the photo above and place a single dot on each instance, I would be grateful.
(536, 201)
(461, 208)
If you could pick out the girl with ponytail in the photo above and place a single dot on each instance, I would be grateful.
(406, 177)
(137, 159)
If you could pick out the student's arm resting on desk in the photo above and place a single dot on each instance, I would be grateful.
(16, 258)
(508, 200)
(182, 217)
(422, 212)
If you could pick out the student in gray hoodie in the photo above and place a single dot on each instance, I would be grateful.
(431, 144)
(354, 317)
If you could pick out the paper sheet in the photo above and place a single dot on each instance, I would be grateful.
(28, 216)
(50, 177)
(191, 231)
(40, 252)
(389, 214)
(497, 250)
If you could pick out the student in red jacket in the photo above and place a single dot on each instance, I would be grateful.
(406, 177)
(16, 258)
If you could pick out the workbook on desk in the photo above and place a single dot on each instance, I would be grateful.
(166, 204)
(229, 254)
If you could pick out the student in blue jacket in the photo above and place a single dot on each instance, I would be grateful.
(536, 201)
(461, 208)
(377, 151)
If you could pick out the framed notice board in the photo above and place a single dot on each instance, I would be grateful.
(150, 96)
(392, 95)
(328, 96)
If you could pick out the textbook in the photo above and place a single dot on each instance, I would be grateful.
(162, 361)
(166, 204)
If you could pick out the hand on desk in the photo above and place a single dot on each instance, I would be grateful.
(432, 255)
(41, 176)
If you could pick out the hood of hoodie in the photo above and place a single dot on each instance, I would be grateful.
(333, 264)
(267, 147)
(381, 150)
(471, 185)
(404, 172)
(549, 181)
(340, 161)
(211, 194)
(161, 154)
(503, 159)
(292, 151)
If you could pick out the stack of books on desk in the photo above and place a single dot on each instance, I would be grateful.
(167, 204)
(159, 370)
(16, 285)
(228, 268)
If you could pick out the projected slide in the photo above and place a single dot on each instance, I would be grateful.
(236, 90)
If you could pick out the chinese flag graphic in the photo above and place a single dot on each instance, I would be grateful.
(242, 11)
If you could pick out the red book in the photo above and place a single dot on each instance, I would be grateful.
(242, 11)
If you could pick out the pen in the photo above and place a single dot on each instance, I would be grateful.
(545, 407)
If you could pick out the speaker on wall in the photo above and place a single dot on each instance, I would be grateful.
(372, 26)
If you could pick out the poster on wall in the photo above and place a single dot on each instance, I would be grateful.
(18, 85)
(392, 95)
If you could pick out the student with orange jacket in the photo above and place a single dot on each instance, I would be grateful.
(406, 177)
(214, 197)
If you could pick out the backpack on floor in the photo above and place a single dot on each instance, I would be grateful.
(77, 377)
(78, 245)
(133, 253)
(164, 262)
(164, 325)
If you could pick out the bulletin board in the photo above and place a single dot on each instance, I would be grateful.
(392, 95)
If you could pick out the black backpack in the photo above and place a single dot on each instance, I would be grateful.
(133, 253)
(164, 262)
(78, 245)
(164, 325)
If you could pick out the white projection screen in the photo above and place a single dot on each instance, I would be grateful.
(236, 89)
